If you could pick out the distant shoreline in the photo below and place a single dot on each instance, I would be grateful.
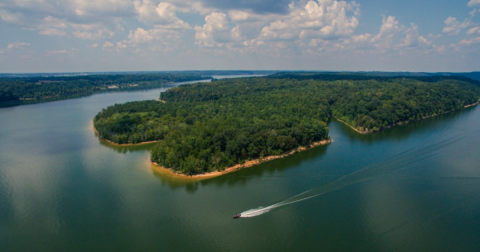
(237, 167)
(401, 123)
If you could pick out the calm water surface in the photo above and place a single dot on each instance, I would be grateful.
(411, 188)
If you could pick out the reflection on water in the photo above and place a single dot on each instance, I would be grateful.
(400, 132)
(433, 146)
(126, 148)
(268, 169)
(415, 188)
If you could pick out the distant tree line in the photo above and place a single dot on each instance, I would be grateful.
(40, 89)
(209, 126)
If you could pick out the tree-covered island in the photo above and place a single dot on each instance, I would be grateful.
(208, 127)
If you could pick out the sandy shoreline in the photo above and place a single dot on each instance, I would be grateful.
(400, 123)
(474, 104)
(247, 164)
(357, 130)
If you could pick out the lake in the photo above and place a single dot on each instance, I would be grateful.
(411, 188)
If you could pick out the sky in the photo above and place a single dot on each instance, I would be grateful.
(324, 35)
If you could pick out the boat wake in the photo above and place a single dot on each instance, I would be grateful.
(262, 210)
(430, 147)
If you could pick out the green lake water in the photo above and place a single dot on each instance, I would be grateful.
(415, 187)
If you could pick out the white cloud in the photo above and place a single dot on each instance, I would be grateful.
(473, 3)
(17, 45)
(474, 30)
(107, 45)
(388, 30)
(215, 31)
(158, 39)
(101, 8)
(468, 42)
(163, 13)
(454, 27)
(322, 19)
(60, 18)
(471, 36)
(50, 52)
(92, 35)
(140, 36)
(362, 38)
(325, 19)
(414, 41)
(79, 10)
(391, 37)
(52, 26)
(240, 16)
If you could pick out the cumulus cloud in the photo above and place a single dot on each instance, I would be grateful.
(140, 36)
(322, 19)
(73, 10)
(215, 31)
(474, 30)
(158, 38)
(107, 45)
(390, 27)
(52, 26)
(162, 14)
(100, 33)
(91, 31)
(101, 8)
(270, 27)
(473, 3)
(471, 36)
(468, 42)
(62, 17)
(454, 27)
(391, 37)
(413, 40)
(309, 28)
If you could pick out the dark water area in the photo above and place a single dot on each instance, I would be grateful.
(411, 188)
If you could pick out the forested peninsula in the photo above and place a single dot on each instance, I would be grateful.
(208, 127)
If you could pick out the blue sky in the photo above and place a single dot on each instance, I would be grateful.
(145, 35)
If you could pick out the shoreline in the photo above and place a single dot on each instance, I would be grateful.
(237, 167)
(401, 123)
(357, 130)
(116, 144)
(473, 104)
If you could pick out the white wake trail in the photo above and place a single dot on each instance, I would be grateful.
(427, 149)
(261, 210)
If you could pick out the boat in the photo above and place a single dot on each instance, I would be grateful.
(237, 216)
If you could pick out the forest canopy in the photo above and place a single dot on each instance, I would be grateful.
(206, 127)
